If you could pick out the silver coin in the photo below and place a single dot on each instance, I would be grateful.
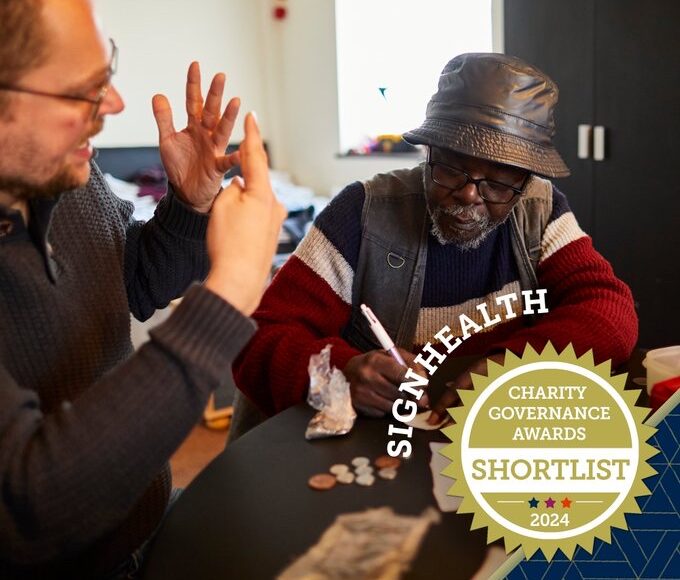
(365, 479)
(359, 461)
(363, 470)
(339, 468)
(347, 477)
(387, 473)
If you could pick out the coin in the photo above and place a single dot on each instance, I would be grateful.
(363, 470)
(365, 479)
(386, 461)
(387, 473)
(338, 469)
(346, 478)
(359, 461)
(321, 481)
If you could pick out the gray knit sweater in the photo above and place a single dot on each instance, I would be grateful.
(86, 429)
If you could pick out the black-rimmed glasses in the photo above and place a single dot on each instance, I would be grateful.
(96, 101)
(489, 190)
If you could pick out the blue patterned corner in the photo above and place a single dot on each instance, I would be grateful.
(650, 548)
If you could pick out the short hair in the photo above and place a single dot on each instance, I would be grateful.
(23, 45)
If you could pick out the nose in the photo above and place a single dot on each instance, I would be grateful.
(112, 103)
(468, 195)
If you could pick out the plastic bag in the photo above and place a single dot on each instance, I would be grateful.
(329, 394)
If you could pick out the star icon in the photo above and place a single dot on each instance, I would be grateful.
(566, 502)
(533, 502)
(550, 503)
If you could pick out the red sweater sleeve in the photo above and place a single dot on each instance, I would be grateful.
(299, 315)
(588, 306)
(306, 307)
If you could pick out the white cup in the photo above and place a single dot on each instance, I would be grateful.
(661, 364)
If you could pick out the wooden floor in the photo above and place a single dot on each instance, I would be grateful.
(198, 449)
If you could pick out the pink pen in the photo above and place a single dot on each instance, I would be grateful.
(381, 334)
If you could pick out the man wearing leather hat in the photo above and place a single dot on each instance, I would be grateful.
(423, 246)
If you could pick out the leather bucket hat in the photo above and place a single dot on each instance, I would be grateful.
(496, 107)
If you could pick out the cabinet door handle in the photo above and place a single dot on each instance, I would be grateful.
(598, 143)
(584, 141)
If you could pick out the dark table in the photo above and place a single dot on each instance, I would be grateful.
(250, 513)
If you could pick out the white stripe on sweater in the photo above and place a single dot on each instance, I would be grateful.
(559, 233)
(319, 254)
(431, 320)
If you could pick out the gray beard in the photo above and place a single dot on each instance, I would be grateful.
(450, 236)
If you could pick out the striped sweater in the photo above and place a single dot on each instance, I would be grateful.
(309, 300)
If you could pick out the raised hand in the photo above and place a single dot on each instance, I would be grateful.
(244, 227)
(194, 157)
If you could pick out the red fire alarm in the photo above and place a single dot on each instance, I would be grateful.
(280, 12)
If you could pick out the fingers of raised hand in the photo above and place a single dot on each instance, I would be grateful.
(223, 130)
(230, 193)
(194, 98)
(213, 102)
(253, 157)
(162, 112)
(226, 162)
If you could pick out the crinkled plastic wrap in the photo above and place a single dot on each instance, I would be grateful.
(329, 394)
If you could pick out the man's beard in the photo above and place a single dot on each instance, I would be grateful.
(21, 188)
(450, 235)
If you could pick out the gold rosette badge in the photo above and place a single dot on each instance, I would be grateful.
(549, 451)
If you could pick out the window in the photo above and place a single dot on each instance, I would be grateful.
(390, 54)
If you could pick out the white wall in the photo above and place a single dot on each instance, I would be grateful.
(158, 39)
(306, 140)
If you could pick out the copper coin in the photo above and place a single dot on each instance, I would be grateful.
(385, 461)
(321, 481)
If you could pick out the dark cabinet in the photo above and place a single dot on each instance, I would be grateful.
(617, 63)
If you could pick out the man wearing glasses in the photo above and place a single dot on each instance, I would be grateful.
(86, 427)
(426, 245)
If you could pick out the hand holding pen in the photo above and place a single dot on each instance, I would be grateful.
(381, 334)
(375, 376)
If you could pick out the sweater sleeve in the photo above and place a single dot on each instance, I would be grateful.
(588, 305)
(85, 465)
(305, 308)
(163, 256)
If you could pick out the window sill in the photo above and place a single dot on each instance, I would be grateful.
(380, 155)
